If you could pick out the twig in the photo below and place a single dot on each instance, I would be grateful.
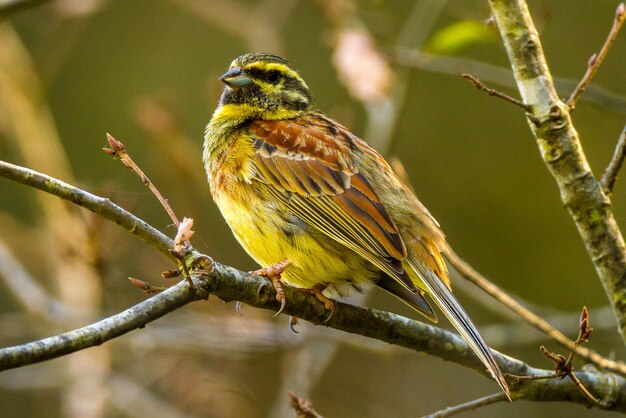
(469, 406)
(468, 272)
(515, 379)
(118, 150)
(516, 334)
(302, 407)
(180, 257)
(581, 387)
(596, 59)
(541, 324)
(231, 285)
(480, 86)
(441, 64)
(101, 206)
(610, 174)
(565, 367)
(145, 286)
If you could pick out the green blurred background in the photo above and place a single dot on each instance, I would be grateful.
(146, 72)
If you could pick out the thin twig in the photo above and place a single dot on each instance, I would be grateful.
(481, 86)
(145, 286)
(515, 378)
(441, 64)
(541, 324)
(101, 206)
(596, 59)
(469, 406)
(118, 150)
(565, 367)
(303, 408)
(467, 271)
(610, 174)
(582, 389)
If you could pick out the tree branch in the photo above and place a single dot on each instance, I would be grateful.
(596, 59)
(230, 284)
(610, 175)
(530, 317)
(100, 205)
(468, 406)
(562, 152)
(442, 64)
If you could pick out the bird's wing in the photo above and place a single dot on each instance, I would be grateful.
(307, 164)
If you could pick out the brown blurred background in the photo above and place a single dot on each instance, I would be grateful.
(146, 72)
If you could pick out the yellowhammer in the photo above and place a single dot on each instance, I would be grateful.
(293, 184)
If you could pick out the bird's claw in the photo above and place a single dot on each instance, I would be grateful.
(331, 307)
(273, 273)
(293, 321)
(328, 303)
(238, 308)
(283, 303)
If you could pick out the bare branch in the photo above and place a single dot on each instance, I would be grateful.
(96, 204)
(442, 64)
(118, 150)
(230, 285)
(469, 406)
(596, 59)
(610, 175)
(533, 319)
(481, 86)
(302, 407)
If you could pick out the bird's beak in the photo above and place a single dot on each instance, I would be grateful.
(235, 77)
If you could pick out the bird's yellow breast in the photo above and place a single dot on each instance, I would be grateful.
(270, 232)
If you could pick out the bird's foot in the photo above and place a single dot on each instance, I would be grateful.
(272, 273)
(328, 303)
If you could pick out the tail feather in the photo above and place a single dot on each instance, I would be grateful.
(415, 300)
(446, 301)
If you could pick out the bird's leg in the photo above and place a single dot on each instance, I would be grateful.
(272, 273)
(328, 303)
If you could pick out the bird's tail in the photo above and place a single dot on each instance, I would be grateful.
(446, 301)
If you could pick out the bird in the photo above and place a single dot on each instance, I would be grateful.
(315, 205)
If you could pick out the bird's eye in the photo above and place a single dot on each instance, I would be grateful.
(273, 76)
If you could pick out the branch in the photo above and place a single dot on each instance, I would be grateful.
(118, 150)
(230, 284)
(530, 317)
(610, 175)
(101, 206)
(481, 86)
(562, 152)
(596, 59)
(442, 64)
(468, 406)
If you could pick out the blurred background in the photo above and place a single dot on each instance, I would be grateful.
(146, 72)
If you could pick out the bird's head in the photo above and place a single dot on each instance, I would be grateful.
(260, 85)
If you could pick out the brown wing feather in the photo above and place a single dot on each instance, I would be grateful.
(311, 159)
